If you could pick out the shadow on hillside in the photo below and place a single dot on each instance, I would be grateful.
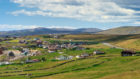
(122, 38)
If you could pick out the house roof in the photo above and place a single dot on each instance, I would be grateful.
(128, 51)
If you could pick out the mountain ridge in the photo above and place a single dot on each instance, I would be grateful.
(43, 30)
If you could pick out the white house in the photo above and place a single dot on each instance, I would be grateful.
(98, 52)
(78, 56)
(64, 57)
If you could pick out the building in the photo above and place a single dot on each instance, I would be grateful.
(128, 53)
(78, 56)
(32, 61)
(84, 55)
(64, 57)
(98, 52)
(53, 48)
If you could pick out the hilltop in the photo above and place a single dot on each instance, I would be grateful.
(126, 30)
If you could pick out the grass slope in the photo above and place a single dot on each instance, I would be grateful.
(122, 30)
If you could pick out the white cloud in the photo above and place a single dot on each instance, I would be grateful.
(66, 27)
(137, 22)
(6, 27)
(29, 13)
(17, 27)
(89, 10)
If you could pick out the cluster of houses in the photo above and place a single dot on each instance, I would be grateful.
(97, 52)
(24, 52)
(54, 48)
(83, 55)
(15, 53)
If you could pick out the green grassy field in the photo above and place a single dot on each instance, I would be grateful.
(108, 66)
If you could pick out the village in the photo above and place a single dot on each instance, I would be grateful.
(33, 47)
(45, 55)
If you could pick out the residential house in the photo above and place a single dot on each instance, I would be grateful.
(45, 46)
(98, 52)
(78, 56)
(5, 63)
(25, 51)
(34, 53)
(62, 57)
(53, 48)
(128, 53)
(35, 39)
(84, 55)
(39, 43)
(22, 41)
(32, 61)
(70, 46)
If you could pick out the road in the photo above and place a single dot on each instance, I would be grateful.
(112, 46)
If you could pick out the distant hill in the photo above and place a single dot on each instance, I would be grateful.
(40, 30)
(126, 30)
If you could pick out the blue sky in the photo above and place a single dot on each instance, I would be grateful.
(103, 14)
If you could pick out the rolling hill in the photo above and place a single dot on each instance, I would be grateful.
(40, 30)
(126, 30)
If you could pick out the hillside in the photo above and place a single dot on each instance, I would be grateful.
(110, 65)
(40, 31)
(133, 44)
(122, 30)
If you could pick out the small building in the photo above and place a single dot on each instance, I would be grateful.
(78, 56)
(128, 53)
(61, 57)
(22, 41)
(64, 57)
(34, 53)
(32, 61)
(39, 43)
(35, 39)
(84, 55)
(53, 48)
(98, 52)
(5, 63)
(45, 46)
